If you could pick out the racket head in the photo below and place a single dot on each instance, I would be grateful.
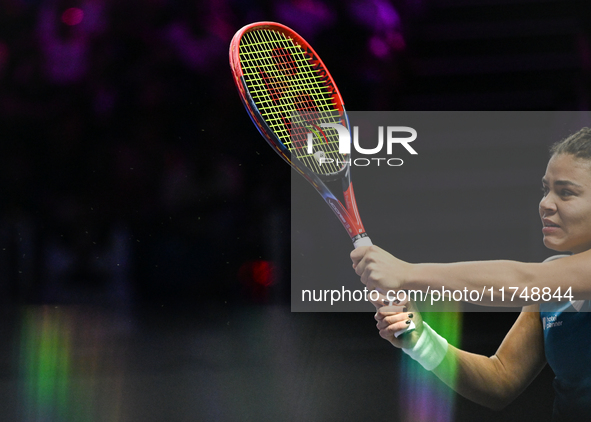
(289, 93)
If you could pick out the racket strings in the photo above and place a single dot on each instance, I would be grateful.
(297, 85)
(294, 96)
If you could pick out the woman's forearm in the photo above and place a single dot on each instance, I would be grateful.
(479, 378)
(496, 283)
(506, 283)
(495, 381)
(490, 280)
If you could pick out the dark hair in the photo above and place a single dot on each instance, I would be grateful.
(577, 144)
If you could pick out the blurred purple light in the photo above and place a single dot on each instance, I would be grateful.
(378, 47)
(72, 16)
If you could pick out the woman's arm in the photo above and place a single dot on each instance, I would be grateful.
(380, 270)
(490, 381)
(497, 380)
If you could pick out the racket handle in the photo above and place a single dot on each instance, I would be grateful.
(364, 241)
(411, 327)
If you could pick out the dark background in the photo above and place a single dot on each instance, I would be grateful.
(145, 225)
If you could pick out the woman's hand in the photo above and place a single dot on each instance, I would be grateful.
(378, 269)
(396, 317)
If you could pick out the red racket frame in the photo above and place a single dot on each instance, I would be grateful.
(348, 215)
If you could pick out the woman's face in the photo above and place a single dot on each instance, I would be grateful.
(565, 209)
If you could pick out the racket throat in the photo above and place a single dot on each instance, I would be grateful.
(351, 204)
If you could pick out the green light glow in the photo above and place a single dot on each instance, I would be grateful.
(70, 366)
(45, 364)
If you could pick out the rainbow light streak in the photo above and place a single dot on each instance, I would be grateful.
(64, 375)
(45, 365)
(423, 397)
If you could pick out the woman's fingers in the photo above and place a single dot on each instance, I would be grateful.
(400, 320)
(392, 319)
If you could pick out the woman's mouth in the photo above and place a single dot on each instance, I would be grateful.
(549, 227)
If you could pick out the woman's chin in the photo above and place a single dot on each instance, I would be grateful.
(554, 245)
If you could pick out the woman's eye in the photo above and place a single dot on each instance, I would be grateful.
(565, 192)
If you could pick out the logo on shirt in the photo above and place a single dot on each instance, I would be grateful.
(550, 322)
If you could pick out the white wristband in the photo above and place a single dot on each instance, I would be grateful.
(430, 350)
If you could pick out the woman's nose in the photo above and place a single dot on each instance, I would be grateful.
(547, 204)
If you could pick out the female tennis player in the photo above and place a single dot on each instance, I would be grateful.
(546, 331)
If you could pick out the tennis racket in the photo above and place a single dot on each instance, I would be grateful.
(295, 104)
